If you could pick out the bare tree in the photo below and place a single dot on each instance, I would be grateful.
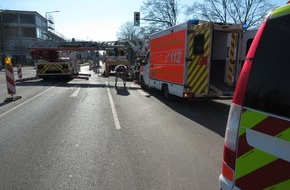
(160, 14)
(250, 12)
(127, 32)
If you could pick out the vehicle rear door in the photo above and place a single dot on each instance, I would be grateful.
(198, 59)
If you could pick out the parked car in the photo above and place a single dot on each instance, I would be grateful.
(257, 141)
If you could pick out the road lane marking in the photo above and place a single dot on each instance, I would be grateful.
(75, 94)
(14, 108)
(115, 116)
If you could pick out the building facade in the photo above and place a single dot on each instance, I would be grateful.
(20, 29)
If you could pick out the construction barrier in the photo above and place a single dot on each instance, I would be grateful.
(79, 66)
(9, 76)
(10, 80)
(83, 74)
(80, 77)
(19, 71)
(26, 79)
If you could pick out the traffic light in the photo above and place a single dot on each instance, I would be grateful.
(136, 18)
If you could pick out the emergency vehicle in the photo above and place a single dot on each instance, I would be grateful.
(115, 54)
(194, 59)
(257, 140)
(57, 61)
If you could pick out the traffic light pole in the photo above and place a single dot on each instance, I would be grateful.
(137, 19)
(152, 20)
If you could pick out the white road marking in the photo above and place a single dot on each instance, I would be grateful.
(16, 107)
(115, 116)
(75, 94)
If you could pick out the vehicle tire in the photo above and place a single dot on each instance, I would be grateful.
(142, 84)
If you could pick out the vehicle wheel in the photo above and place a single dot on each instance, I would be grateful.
(142, 83)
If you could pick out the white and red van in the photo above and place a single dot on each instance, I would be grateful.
(257, 141)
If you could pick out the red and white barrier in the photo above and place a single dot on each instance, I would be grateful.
(26, 79)
(19, 71)
(10, 80)
(79, 67)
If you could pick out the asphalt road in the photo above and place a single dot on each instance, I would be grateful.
(87, 134)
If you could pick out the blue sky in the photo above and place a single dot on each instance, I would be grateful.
(97, 20)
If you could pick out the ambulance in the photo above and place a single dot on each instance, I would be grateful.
(194, 59)
(256, 151)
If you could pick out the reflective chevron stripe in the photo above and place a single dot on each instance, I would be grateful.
(197, 68)
(50, 68)
(232, 60)
(263, 152)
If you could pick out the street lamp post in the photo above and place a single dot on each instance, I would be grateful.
(47, 19)
(46, 13)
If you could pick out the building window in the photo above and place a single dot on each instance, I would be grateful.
(40, 34)
(40, 22)
(28, 32)
(11, 31)
(27, 19)
(10, 18)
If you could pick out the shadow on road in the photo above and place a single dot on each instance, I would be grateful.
(123, 91)
(210, 113)
(66, 83)
(4, 103)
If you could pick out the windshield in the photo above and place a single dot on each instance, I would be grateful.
(268, 87)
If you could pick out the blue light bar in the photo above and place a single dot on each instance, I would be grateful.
(245, 26)
(193, 21)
